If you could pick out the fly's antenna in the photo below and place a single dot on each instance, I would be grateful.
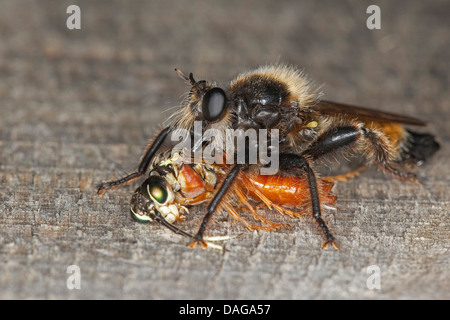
(189, 79)
(181, 75)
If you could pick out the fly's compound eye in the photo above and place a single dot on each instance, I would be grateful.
(213, 105)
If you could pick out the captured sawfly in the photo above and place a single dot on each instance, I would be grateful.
(310, 129)
(175, 184)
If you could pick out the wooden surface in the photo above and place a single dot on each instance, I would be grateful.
(78, 107)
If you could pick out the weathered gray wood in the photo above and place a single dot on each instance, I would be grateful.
(77, 107)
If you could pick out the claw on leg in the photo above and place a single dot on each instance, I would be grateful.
(203, 243)
(328, 242)
(208, 242)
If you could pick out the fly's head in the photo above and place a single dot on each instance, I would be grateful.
(206, 102)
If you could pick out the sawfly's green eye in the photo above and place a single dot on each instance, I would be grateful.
(157, 192)
(156, 189)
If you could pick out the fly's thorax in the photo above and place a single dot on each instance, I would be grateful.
(270, 97)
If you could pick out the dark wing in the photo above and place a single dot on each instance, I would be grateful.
(334, 108)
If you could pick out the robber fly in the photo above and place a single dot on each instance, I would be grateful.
(175, 184)
(310, 129)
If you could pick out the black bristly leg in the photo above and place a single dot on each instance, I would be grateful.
(372, 143)
(328, 142)
(332, 140)
(212, 207)
(291, 161)
(143, 165)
